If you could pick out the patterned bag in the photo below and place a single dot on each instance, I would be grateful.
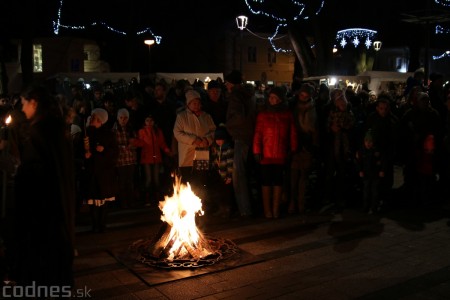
(201, 159)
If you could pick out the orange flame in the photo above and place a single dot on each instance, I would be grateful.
(8, 120)
(179, 211)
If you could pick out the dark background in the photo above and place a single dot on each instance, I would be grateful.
(192, 30)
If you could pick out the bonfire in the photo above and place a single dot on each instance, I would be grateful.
(179, 243)
(181, 239)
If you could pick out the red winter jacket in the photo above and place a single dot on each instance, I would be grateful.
(275, 136)
(152, 142)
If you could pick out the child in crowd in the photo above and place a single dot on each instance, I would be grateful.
(151, 139)
(222, 169)
(127, 160)
(371, 166)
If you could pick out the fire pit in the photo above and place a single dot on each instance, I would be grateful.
(179, 243)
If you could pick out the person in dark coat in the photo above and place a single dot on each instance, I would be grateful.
(101, 155)
(44, 196)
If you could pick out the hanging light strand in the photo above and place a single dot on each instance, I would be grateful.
(57, 26)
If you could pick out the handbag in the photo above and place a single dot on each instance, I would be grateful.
(201, 159)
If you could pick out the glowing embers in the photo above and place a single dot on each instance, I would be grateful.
(180, 243)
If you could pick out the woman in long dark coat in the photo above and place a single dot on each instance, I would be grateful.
(44, 196)
(101, 156)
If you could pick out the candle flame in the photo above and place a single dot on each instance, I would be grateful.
(8, 120)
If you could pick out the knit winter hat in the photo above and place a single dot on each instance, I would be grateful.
(221, 133)
(368, 136)
(101, 114)
(279, 92)
(307, 88)
(123, 112)
(191, 95)
(214, 84)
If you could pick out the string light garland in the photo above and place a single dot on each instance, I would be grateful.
(355, 36)
(441, 30)
(57, 26)
(445, 3)
(443, 55)
(257, 7)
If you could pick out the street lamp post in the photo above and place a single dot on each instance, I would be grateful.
(241, 22)
(149, 43)
(377, 48)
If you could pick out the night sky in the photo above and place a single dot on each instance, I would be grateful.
(188, 27)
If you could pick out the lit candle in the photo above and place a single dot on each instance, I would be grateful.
(4, 132)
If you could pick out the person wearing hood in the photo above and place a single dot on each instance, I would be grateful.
(275, 139)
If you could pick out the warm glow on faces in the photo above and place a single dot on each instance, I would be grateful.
(123, 120)
(220, 142)
(149, 121)
(95, 121)
(214, 94)
(368, 143)
(273, 99)
(229, 86)
(29, 107)
(382, 109)
(159, 92)
(341, 104)
(195, 105)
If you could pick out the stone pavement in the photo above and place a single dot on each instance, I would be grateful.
(398, 254)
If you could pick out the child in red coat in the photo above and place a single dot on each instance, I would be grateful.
(151, 139)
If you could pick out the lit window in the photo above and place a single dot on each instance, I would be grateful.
(37, 58)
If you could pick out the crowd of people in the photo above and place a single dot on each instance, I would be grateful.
(245, 152)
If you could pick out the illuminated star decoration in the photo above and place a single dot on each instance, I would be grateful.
(57, 26)
(355, 36)
(298, 10)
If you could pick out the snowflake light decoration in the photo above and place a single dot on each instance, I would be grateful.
(355, 36)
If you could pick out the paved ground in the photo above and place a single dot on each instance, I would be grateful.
(399, 254)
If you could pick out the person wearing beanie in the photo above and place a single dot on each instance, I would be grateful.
(101, 114)
(240, 123)
(221, 177)
(234, 77)
(192, 95)
(194, 131)
(123, 112)
(280, 92)
(127, 159)
(302, 162)
(274, 141)
(101, 153)
(215, 103)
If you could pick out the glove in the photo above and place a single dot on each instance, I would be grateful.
(257, 157)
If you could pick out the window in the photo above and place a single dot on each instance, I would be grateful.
(271, 56)
(37, 58)
(251, 54)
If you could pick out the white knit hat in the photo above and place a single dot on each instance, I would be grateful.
(191, 95)
(101, 114)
